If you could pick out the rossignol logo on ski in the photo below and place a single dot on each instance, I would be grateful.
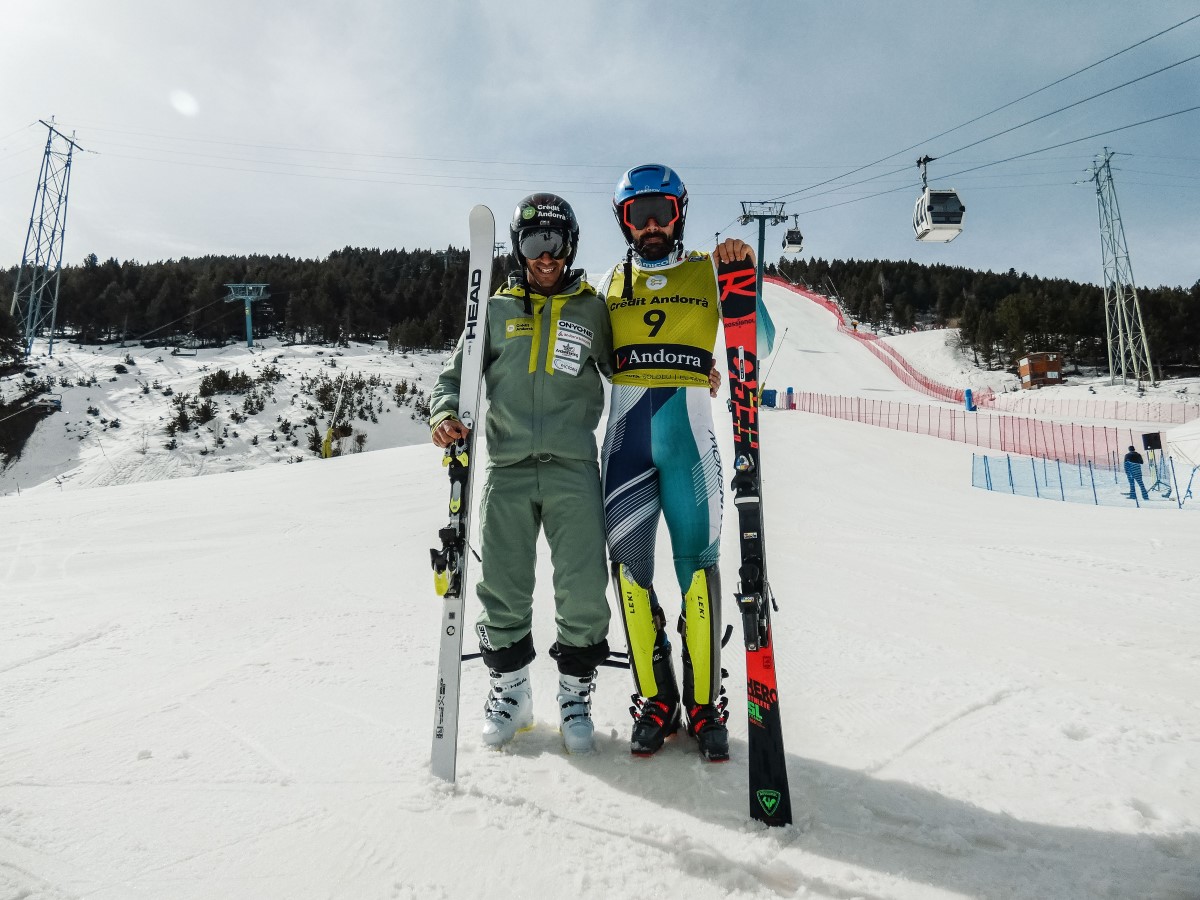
(739, 281)
(768, 800)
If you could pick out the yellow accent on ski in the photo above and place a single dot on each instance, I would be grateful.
(441, 581)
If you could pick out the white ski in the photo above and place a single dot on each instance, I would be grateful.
(450, 560)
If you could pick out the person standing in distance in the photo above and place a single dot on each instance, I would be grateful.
(1133, 471)
(660, 456)
(548, 343)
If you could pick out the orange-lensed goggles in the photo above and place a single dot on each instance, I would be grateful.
(636, 212)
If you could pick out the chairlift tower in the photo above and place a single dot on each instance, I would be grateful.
(764, 212)
(248, 293)
(35, 298)
(1128, 348)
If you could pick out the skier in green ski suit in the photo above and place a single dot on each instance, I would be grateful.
(548, 343)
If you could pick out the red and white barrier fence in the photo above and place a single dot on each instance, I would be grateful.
(1009, 434)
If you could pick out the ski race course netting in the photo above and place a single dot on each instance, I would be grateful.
(1091, 452)
(1168, 486)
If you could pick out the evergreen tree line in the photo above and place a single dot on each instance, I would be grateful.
(414, 299)
(1004, 316)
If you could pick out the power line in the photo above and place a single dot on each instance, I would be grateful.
(1070, 106)
(998, 162)
(991, 112)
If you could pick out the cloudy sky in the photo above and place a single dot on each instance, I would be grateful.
(302, 127)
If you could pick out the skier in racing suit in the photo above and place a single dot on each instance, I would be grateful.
(660, 455)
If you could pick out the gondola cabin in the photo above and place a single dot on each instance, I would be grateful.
(938, 216)
(793, 241)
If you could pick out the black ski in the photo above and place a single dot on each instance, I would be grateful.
(770, 801)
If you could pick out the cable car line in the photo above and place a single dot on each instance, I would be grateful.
(996, 110)
(909, 187)
(1069, 106)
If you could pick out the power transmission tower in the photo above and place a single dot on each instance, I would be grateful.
(1128, 349)
(35, 298)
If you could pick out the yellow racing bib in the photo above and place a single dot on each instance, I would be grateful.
(665, 330)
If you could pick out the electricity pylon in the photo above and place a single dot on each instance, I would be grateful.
(1128, 349)
(35, 298)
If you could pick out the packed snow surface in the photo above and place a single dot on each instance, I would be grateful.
(222, 686)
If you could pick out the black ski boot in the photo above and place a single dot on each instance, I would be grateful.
(706, 722)
(656, 718)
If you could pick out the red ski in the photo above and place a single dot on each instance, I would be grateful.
(770, 801)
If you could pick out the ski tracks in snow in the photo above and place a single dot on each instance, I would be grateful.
(992, 700)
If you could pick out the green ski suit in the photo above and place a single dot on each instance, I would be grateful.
(542, 373)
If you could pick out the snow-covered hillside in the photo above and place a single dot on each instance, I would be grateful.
(223, 687)
(118, 405)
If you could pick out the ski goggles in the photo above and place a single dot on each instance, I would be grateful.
(636, 212)
(533, 242)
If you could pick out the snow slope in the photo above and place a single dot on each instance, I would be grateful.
(117, 402)
(222, 687)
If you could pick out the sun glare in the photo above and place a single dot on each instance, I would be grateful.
(184, 103)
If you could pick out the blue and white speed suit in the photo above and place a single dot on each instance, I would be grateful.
(660, 455)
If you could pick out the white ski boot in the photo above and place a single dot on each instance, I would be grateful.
(575, 707)
(509, 707)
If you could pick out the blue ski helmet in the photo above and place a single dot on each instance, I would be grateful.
(650, 179)
(544, 212)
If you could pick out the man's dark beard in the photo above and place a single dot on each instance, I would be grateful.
(654, 247)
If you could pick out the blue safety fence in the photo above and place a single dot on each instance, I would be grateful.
(1168, 486)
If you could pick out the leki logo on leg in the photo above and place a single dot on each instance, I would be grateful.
(768, 800)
